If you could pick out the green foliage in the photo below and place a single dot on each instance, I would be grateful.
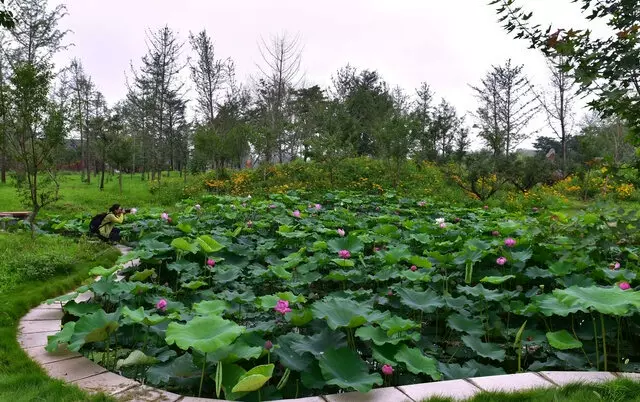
(431, 301)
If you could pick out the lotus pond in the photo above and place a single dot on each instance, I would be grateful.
(286, 297)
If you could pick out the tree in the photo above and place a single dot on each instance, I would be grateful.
(155, 85)
(308, 109)
(445, 127)
(6, 17)
(422, 114)
(507, 106)
(368, 103)
(36, 130)
(4, 110)
(208, 74)
(81, 88)
(280, 75)
(558, 104)
(36, 34)
(606, 66)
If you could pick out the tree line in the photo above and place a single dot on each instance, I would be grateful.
(54, 117)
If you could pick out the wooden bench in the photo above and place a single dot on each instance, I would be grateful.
(15, 215)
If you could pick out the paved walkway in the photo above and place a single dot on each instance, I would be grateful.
(74, 368)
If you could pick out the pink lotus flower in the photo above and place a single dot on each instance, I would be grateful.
(495, 233)
(318, 207)
(164, 216)
(534, 209)
(486, 207)
(282, 307)
(133, 211)
(624, 285)
(376, 249)
(344, 254)
(249, 223)
(296, 213)
(161, 305)
(615, 266)
(443, 225)
(268, 345)
(272, 206)
(341, 232)
(509, 242)
(211, 262)
(387, 369)
(390, 293)
(501, 261)
(414, 268)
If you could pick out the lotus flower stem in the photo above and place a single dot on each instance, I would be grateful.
(604, 341)
(618, 343)
(573, 329)
(595, 338)
(204, 363)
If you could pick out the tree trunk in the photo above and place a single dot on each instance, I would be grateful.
(120, 181)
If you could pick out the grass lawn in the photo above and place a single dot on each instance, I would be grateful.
(21, 379)
(622, 390)
(79, 197)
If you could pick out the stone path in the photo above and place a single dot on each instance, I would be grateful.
(74, 368)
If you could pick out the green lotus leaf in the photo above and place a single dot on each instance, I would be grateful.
(611, 300)
(136, 358)
(300, 317)
(182, 244)
(254, 379)
(396, 324)
(427, 301)
(464, 324)
(290, 358)
(549, 305)
(344, 313)
(455, 371)
(488, 350)
(417, 363)
(416, 276)
(211, 307)
(80, 309)
(179, 368)
(141, 317)
(142, 275)
(344, 263)
(270, 301)
(521, 256)
(379, 336)
(483, 370)
(281, 272)
(563, 340)
(241, 350)
(397, 254)
(344, 368)
(317, 344)
(350, 243)
(227, 274)
(386, 353)
(204, 334)
(496, 280)
(95, 327)
(184, 227)
(421, 262)
(208, 244)
(102, 271)
(193, 285)
(61, 338)
(487, 294)
(154, 246)
(312, 377)
(231, 374)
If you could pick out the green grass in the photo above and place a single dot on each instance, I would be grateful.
(621, 390)
(21, 379)
(80, 197)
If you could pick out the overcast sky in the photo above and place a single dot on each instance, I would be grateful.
(446, 43)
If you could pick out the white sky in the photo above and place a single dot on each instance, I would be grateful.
(446, 43)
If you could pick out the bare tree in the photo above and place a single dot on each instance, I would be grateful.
(507, 106)
(558, 104)
(208, 74)
(280, 74)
